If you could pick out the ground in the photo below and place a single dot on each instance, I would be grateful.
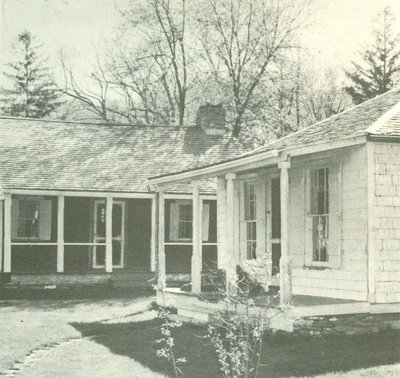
(115, 337)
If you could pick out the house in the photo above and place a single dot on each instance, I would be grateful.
(76, 205)
(316, 213)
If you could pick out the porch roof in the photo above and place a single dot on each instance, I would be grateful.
(378, 117)
(72, 156)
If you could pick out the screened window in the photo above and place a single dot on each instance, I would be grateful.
(250, 218)
(28, 220)
(320, 213)
(31, 219)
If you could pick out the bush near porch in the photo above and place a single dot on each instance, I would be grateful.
(283, 355)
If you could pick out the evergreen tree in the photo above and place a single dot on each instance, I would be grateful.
(380, 62)
(32, 92)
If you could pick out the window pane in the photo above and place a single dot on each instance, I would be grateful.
(320, 238)
(101, 220)
(116, 252)
(185, 221)
(100, 255)
(28, 219)
(319, 191)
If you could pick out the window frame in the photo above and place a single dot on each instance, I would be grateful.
(45, 219)
(311, 215)
(184, 221)
(247, 221)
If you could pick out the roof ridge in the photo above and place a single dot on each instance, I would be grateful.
(93, 123)
(319, 122)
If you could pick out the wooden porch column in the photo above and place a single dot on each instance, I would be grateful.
(285, 291)
(153, 234)
(1, 232)
(230, 234)
(7, 233)
(196, 235)
(161, 279)
(221, 219)
(60, 234)
(109, 208)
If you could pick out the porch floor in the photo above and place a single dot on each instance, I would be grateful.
(302, 305)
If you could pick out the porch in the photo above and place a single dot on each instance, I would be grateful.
(310, 315)
(57, 237)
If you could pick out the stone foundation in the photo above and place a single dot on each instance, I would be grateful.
(349, 324)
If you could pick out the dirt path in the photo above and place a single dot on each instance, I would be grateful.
(38, 341)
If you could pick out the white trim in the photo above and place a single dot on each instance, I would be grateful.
(121, 239)
(177, 243)
(68, 193)
(32, 243)
(109, 238)
(326, 146)
(1, 232)
(161, 279)
(60, 234)
(7, 233)
(189, 196)
(383, 119)
(196, 237)
(213, 170)
(153, 235)
(85, 244)
(256, 161)
(370, 222)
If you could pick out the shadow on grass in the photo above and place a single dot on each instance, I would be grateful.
(284, 355)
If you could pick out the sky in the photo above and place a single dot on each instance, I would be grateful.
(337, 28)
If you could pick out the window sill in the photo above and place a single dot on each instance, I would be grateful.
(318, 266)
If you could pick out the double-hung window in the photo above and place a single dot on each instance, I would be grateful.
(181, 221)
(319, 212)
(185, 218)
(250, 218)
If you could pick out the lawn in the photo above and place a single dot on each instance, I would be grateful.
(284, 355)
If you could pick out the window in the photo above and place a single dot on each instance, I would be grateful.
(31, 219)
(250, 218)
(319, 213)
(181, 218)
(185, 221)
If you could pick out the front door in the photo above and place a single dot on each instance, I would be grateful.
(99, 234)
(275, 229)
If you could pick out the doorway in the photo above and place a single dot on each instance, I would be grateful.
(99, 234)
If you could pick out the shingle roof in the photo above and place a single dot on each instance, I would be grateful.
(379, 116)
(41, 154)
(351, 123)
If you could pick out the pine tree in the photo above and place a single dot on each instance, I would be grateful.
(32, 92)
(380, 62)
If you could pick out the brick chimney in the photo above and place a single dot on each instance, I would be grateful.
(211, 118)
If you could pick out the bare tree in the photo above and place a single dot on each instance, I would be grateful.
(241, 39)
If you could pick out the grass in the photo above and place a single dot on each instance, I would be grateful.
(284, 355)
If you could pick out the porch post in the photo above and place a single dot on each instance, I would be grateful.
(1, 231)
(7, 233)
(161, 282)
(109, 207)
(221, 219)
(60, 234)
(196, 236)
(153, 235)
(285, 291)
(230, 234)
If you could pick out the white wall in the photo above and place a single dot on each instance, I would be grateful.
(387, 222)
(347, 278)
